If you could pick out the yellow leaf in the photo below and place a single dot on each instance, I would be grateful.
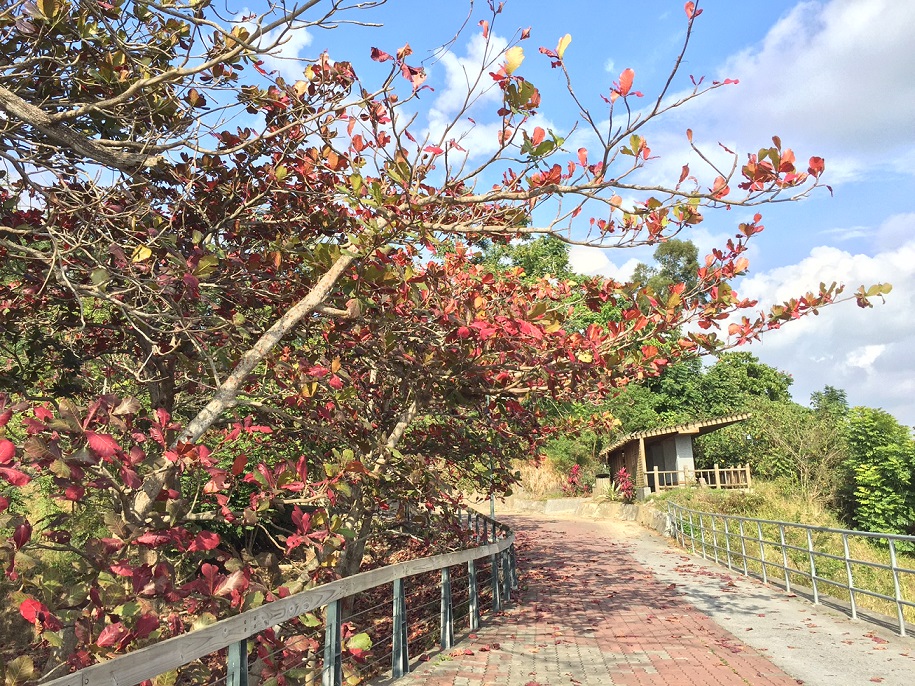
(141, 253)
(563, 44)
(513, 58)
(48, 8)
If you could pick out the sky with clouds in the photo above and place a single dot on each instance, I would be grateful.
(832, 78)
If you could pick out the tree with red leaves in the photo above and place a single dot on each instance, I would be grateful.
(225, 345)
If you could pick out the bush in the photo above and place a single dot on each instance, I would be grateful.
(623, 485)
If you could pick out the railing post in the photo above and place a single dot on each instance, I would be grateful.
(727, 541)
(762, 552)
(474, 595)
(781, 534)
(851, 581)
(400, 652)
(447, 619)
(506, 577)
(332, 674)
(813, 568)
(702, 534)
(692, 532)
(237, 663)
(476, 524)
(749, 479)
(898, 590)
(496, 589)
(743, 547)
(714, 539)
(657, 483)
(513, 561)
(717, 476)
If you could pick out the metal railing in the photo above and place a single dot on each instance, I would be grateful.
(818, 557)
(254, 646)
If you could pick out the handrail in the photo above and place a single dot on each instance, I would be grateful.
(693, 526)
(173, 653)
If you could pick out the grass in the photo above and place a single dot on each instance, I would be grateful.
(720, 537)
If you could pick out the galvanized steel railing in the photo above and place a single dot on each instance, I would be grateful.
(796, 553)
(227, 641)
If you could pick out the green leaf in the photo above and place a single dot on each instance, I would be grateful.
(360, 642)
(48, 8)
(310, 619)
(204, 620)
(166, 679)
(19, 671)
(99, 276)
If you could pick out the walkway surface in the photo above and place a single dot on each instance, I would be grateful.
(607, 602)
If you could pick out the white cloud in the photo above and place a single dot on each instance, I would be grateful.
(466, 77)
(286, 58)
(832, 79)
(835, 76)
(868, 352)
(594, 262)
(865, 356)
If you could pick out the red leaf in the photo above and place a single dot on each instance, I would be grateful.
(583, 157)
(4, 503)
(538, 136)
(22, 534)
(205, 540)
(485, 25)
(39, 615)
(817, 166)
(235, 581)
(690, 8)
(122, 569)
(152, 539)
(30, 608)
(145, 625)
(5, 417)
(74, 492)
(380, 55)
(111, 635)
(7, 451)
(434, 149)
(626, 81)
(102, 444)
(130, 477)
(14, 476)
(239, 464)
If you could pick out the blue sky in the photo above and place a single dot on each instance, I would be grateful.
(834, 78)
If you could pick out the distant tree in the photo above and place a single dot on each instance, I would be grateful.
(546, 256)
(830, 400)
(678, 262)
(737, 377)
(879, 489)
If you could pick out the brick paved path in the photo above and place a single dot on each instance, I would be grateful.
(591, 614)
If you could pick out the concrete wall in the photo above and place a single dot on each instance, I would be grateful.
(594, 508)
